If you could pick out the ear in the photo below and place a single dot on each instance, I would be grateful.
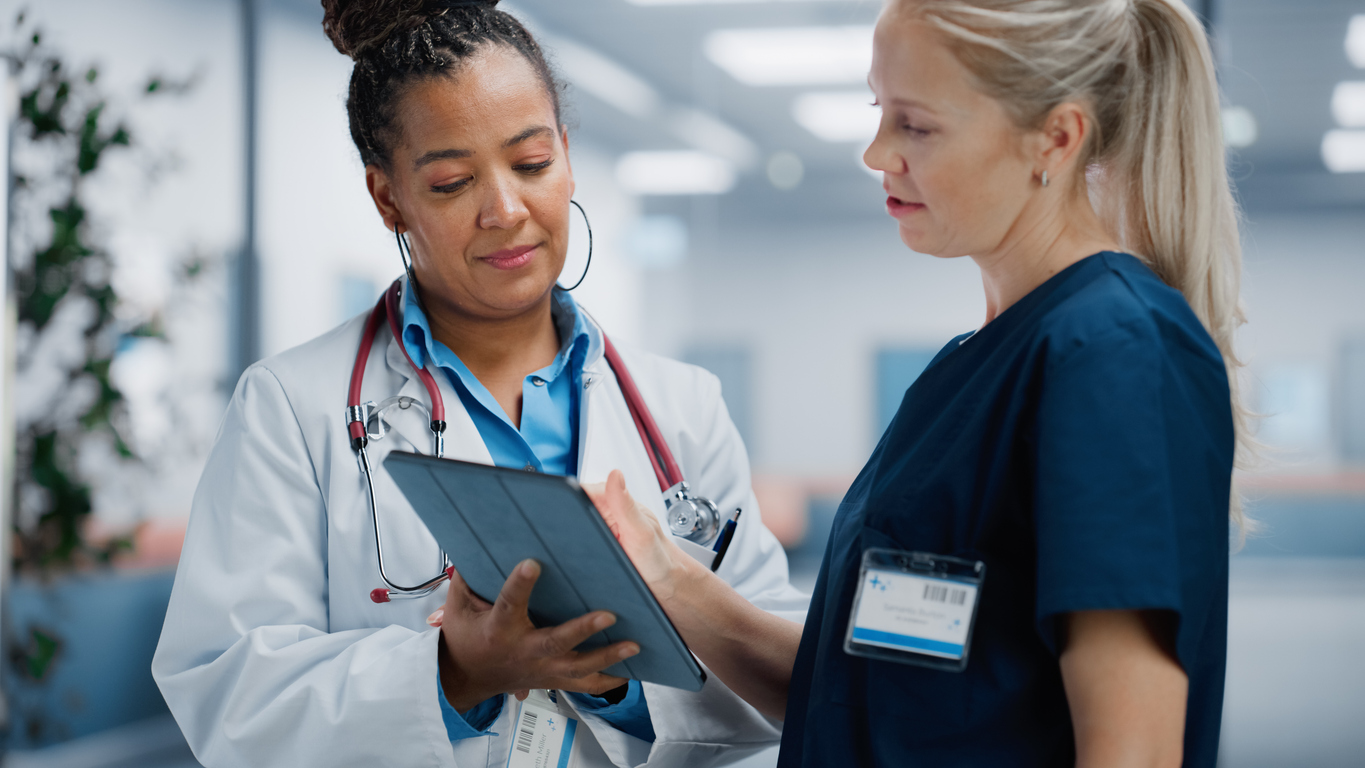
(564, 139)
(381, 191)
(1064, 133)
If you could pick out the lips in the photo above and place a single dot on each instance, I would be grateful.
(510, 258)
(898, 207)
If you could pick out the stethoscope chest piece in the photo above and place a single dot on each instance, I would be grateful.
(690, 517)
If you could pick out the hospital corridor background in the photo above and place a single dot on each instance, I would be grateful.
(716, 146)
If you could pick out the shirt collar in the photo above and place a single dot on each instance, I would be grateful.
(579, 337)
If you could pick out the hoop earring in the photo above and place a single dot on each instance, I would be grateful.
(405, 253)
(587, 266)
(1045, 178)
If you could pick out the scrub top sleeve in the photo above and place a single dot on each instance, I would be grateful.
(1104, 523)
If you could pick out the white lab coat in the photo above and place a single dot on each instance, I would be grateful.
(272, 653)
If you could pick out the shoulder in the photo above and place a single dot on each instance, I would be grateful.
(670, 382)
(1123, 305)
(298, 371)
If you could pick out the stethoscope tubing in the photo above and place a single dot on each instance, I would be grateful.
(666, 469)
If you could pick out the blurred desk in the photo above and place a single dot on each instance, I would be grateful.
(152, 743)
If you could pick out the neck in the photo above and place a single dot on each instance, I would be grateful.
(497, 350)
(1039, 245)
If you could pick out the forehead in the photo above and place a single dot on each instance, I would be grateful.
(494, 92)
(912, 61)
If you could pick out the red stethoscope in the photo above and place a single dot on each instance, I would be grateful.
(691, 517)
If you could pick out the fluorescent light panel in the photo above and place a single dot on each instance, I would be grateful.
(838, 116)
(1348, 104)
(674, 172)
(1343, 151)
(1355, 40)
(604, 78)
(793, 55)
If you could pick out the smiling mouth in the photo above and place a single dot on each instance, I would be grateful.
(510, 258)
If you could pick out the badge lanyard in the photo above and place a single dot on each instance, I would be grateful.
(915, 608)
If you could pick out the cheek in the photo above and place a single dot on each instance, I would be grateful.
(971, 196)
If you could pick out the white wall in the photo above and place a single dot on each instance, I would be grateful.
(1305, 294)
(815, 304)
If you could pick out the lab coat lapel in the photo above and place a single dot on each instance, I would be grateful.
(609, 439)
(462, 437)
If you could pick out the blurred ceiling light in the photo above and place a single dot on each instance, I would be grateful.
(1344, 151)
(1348, 104)
(1239, 127)
(838, 116)
(793, 55)
(604, 78)
(675, 172)
(709, 133)
(1355, 40)
(785, 170)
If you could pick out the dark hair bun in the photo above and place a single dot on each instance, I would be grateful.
(358, 26)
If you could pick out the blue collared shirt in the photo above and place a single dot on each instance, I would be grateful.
(546, 442)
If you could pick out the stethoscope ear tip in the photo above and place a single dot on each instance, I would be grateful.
(379, 595)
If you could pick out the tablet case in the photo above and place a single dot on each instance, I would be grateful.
(489, 519)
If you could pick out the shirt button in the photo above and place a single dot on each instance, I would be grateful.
(529, 467)
(536, 380)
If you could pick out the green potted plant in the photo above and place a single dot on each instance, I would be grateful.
(78, 636)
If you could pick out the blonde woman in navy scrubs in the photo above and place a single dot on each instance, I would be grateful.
(1069, 463)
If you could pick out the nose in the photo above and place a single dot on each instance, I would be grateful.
(881, 156)
(503, 207)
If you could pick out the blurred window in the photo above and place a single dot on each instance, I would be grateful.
(733, 365)
(1352, 400)
(897, 369)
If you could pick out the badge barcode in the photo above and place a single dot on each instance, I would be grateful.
(941, 594)
(527, 732)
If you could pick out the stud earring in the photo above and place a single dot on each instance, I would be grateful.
(1045, 178)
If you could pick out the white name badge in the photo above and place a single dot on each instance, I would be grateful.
(545, 733)
(915, 608)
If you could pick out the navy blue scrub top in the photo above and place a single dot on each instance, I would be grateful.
(1081, 445)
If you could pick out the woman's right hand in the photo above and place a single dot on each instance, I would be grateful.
(490, 649)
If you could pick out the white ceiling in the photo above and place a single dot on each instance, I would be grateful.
(1278, 58)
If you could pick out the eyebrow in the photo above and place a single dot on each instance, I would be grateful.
(456, 154)
(532, 132)
(441, 154)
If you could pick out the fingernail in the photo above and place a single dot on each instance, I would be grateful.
(435, 618)
(629, 650)
(527, 567)
(604, 621)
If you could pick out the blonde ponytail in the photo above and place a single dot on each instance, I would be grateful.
(1145, 71)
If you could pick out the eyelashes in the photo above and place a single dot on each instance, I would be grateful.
(529, 169)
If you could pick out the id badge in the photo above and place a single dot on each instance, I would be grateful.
(545, 733)
(915, 608)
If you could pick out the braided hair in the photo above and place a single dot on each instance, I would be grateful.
(398, 42)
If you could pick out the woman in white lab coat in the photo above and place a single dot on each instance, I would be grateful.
(273, 652)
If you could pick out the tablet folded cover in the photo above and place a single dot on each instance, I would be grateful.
(489, 519)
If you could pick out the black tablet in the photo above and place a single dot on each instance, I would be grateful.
(489, 519)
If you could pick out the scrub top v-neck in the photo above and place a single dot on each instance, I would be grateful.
(1080, 444)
